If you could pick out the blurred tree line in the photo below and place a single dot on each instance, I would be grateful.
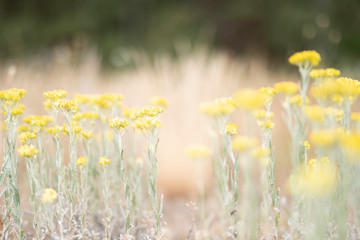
(275, 28)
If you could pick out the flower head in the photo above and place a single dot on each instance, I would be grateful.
(309, 57)
(66, 105)
(146, 123)
(55, 95)
(81, 161)
(54, 130)
(324, 73)
(231, 128)
(159, 101)
(118, 123)
(219, 107)
(27, 150)
(49, 195)
(250, 98)
(87, 134)
(197, 151)
(287, 87)
(24, 136)
(242, 143)
(104, 161)
(11, 96)
(18, 110)
(37, 120)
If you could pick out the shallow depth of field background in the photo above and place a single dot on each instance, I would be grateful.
(187, 51)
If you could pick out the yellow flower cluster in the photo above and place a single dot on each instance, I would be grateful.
(317, 113)
(66, 105)
(305, 57)
(104, 161)
(83, 98)
(306, 144)
(355, 116)
(159, 101)
(107, 100)
(38, 120)
(49, 195)
(27, 150)
(269, 91)
(87, 134)
(267, 124)
(242, 143)
(135, 112)
(18, 110)
(324, 73)
(231, 128)
(263, 114)
(55, 95)
(81, 161)
(337, 90)
(317, 179)
(152, 111)
(218, 107)
(82, 115)
(297, 101)
(261, 152)
(118, 123)
(11, 96)
(197, 151)
(74, 128)
(54, 130)
(24, 136)
(325, 137)
(351, 144)
(287, 87)
(250, 98)
(146, 123)
(23, 128)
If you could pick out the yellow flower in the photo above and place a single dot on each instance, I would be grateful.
(242, 143)
(263, 114)
(23, 128)
(159, 101)
(261, 152)
(11, 96)
(118, 123)
(151, 111)
(132, 113)
(351, 143)
(66, 105)
(81, 115)
(18, 110)
(146, 123)
(104, 161)
(325, 137)
(267, 124)
(269, 91)
(24, 136)
(49, 195)
(74, 128)
(296, 100)
(107, 100)
(81, 161)
(355, 116)
(87, 134)
(287, 87)
(250, 98)
(82, 98)
(315, 113)
(55, 95)
(324, 73)
(197, 151)
(39, 121)
(306, 145)
(304, 58)
(231, 128)
(54, 130)
(315, 180)
(27, 150)
(218, 107)
(337, 90)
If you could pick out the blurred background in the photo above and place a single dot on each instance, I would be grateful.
(273, 29)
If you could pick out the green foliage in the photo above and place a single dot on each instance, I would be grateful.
(277, 27)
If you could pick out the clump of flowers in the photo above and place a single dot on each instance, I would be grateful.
(49, 195)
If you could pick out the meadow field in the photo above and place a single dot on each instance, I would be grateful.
(206, 146)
